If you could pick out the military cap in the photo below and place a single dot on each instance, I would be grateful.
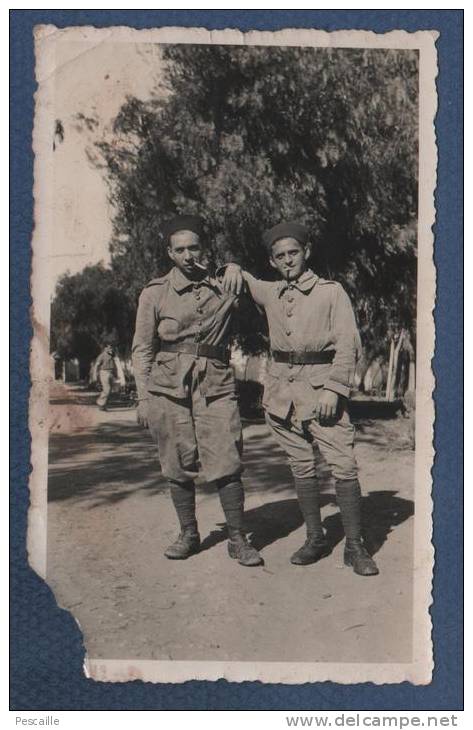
(290, 229)
(192, 223)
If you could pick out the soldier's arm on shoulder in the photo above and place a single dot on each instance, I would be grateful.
(258, 288)
(144, 340)
(347, 344)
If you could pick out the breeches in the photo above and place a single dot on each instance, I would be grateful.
(106, 380)
(335, 443)
(196, 431)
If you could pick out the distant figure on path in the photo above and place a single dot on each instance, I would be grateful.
(106, 370)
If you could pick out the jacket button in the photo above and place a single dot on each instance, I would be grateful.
(288, 332)
(289, 314)
(289, 365)
(291, 378)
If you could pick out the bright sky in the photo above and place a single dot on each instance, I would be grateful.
(94, 81)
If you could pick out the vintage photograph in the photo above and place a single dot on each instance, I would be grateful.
(231, 410)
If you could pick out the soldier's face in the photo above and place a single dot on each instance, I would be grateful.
(289, 257)
(185, 250)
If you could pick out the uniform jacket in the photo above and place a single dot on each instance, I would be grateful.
(310, 314)
(174, 309)
(105, 361)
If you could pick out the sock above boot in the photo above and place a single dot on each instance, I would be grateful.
(183, 498)
(308, 495)
(349, 501)
(232, 499)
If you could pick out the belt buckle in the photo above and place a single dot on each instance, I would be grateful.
(198, 349)
(291, 357)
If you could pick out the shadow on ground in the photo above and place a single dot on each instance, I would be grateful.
(113, 461)
(117, 459)
(274, 521)
(107, 463)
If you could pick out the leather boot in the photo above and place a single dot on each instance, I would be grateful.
(357, 557)
(240, 549)
(230, 490)
(187, 544)
(314, 548)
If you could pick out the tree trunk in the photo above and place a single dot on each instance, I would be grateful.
(390, 371)
(411, 383)
(397, 350)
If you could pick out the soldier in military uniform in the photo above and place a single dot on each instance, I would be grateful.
(105, 370)
(186, 387)
(314, 343)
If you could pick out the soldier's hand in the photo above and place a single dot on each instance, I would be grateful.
(142, 413)
(232, 280)
(327, 407)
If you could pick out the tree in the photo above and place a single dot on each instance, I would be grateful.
(89, 309)
(249, 136)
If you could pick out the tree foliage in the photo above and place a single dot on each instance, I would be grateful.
(250, 136)
(87, 311)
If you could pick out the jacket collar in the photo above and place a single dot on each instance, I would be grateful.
(181, 283)
(305, 283)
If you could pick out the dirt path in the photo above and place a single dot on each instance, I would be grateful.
(110, 518)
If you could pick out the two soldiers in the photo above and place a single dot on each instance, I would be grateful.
(186, 388)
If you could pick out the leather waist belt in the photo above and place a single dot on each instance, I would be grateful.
(303, 358)
(198, 349)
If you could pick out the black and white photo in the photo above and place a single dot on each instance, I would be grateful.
(231, 412)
